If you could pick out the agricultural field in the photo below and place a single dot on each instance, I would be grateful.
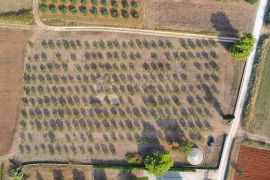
(180, 15)
(96, 97)
(11, 83)
(14, 5)
(257, 118)
(98, 12)
(252, 164)
(50, 172)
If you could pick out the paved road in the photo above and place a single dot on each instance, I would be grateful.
(243, 91)
(123, 30)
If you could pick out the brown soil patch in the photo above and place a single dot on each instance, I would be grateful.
(252, 164)
(12, 50)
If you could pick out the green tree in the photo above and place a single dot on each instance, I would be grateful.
(159, 163)
(134, 158)
(18, 174)
(242, 47)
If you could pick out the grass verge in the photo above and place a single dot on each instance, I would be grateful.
(21, 17)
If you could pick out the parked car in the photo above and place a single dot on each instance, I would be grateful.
(211, 141)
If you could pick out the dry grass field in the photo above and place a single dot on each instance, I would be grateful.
(14, 5)
(12, 50)
(73, 172)
(203, 16)
(258, 121)
(94, 97)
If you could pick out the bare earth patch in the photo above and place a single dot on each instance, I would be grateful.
(12, 50)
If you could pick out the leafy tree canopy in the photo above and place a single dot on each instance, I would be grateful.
(159, 163)
(242, 47)
(18, 174)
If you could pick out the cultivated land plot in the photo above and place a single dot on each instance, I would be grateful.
(97, 98)
(193, 15)
(75, 172)
(258, 118)
(252, 164)
(14, 5)
(12, 50)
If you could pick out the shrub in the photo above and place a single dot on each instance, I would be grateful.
(94, 11)
(43, 8)
(73, 11)
(115, 4)
(74, 2)
(53, 1)
(242, 47)
(84, 2)
(185, 146)
(125, 14)
(134, 159)
(18, 174)
(135, 14)
(159, 163)
(125, 4)
(84, 10)
(114, 13)
(63, 9)
(43, 1)
(94, 2)
(228, 117)
(52, 9)
(64, 1)
(134, 4)
(104, 12)
(104, 3)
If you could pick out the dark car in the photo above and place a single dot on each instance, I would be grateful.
(211, 141)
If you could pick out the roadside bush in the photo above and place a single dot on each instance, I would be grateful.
(251, 1)
(134, 159)
(242, 47)
(228, 117)
(159, 163)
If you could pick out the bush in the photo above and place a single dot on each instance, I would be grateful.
(134, 4)
(21, 16)
(185, 147)
(84, 2)
(64, 1)
(114, 13)
(242, 47)
(63, 9)
(73, 11)
(53, 1)
(74, 2)
(229, 117)
(94, 2)
(94, 11)
(52, 9)
(104, 3)
(18, 174)
(125, 14)
(134, 159)
(159, 163)
(43, 8)
(104, 12)
(251, 1)
(135, 14)
(115, 4)
(125, 4)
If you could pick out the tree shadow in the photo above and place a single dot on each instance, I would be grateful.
(210, 98)
(124, 175)
(78, 175)
(58, 174)
(99, 174)
(222, 24)
(148, 142)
